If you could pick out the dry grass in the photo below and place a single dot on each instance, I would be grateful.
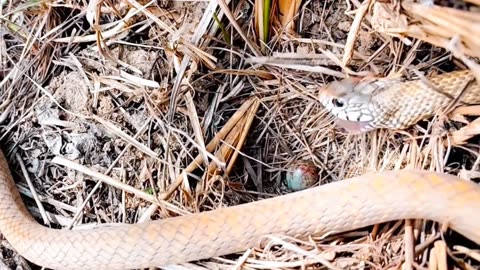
(149, 99)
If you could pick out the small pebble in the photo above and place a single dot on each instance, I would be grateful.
(301, 175)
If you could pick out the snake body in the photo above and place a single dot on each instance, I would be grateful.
(334, 207)
(364, 104)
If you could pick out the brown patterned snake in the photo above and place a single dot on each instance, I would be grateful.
(335, 207)
(364, 104)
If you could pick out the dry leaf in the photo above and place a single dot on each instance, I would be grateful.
(461, 136)
(288, 9)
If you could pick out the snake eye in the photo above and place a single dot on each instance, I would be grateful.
(337, 103)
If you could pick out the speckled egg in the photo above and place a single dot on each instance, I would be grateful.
(301, 175)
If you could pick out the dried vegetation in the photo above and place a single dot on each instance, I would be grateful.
(149, 96)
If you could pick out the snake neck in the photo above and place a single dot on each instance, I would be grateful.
(402, 105)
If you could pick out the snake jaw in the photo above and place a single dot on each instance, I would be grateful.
(353, 127)
(351, 108)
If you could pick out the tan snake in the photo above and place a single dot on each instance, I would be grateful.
(364, 104)
(335, 207)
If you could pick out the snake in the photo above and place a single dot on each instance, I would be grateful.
(336, 207)
(363, 104)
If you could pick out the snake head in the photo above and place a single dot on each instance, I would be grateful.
(350, 101)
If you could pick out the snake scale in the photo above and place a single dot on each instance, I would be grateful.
(335, 207)
(364, 104)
